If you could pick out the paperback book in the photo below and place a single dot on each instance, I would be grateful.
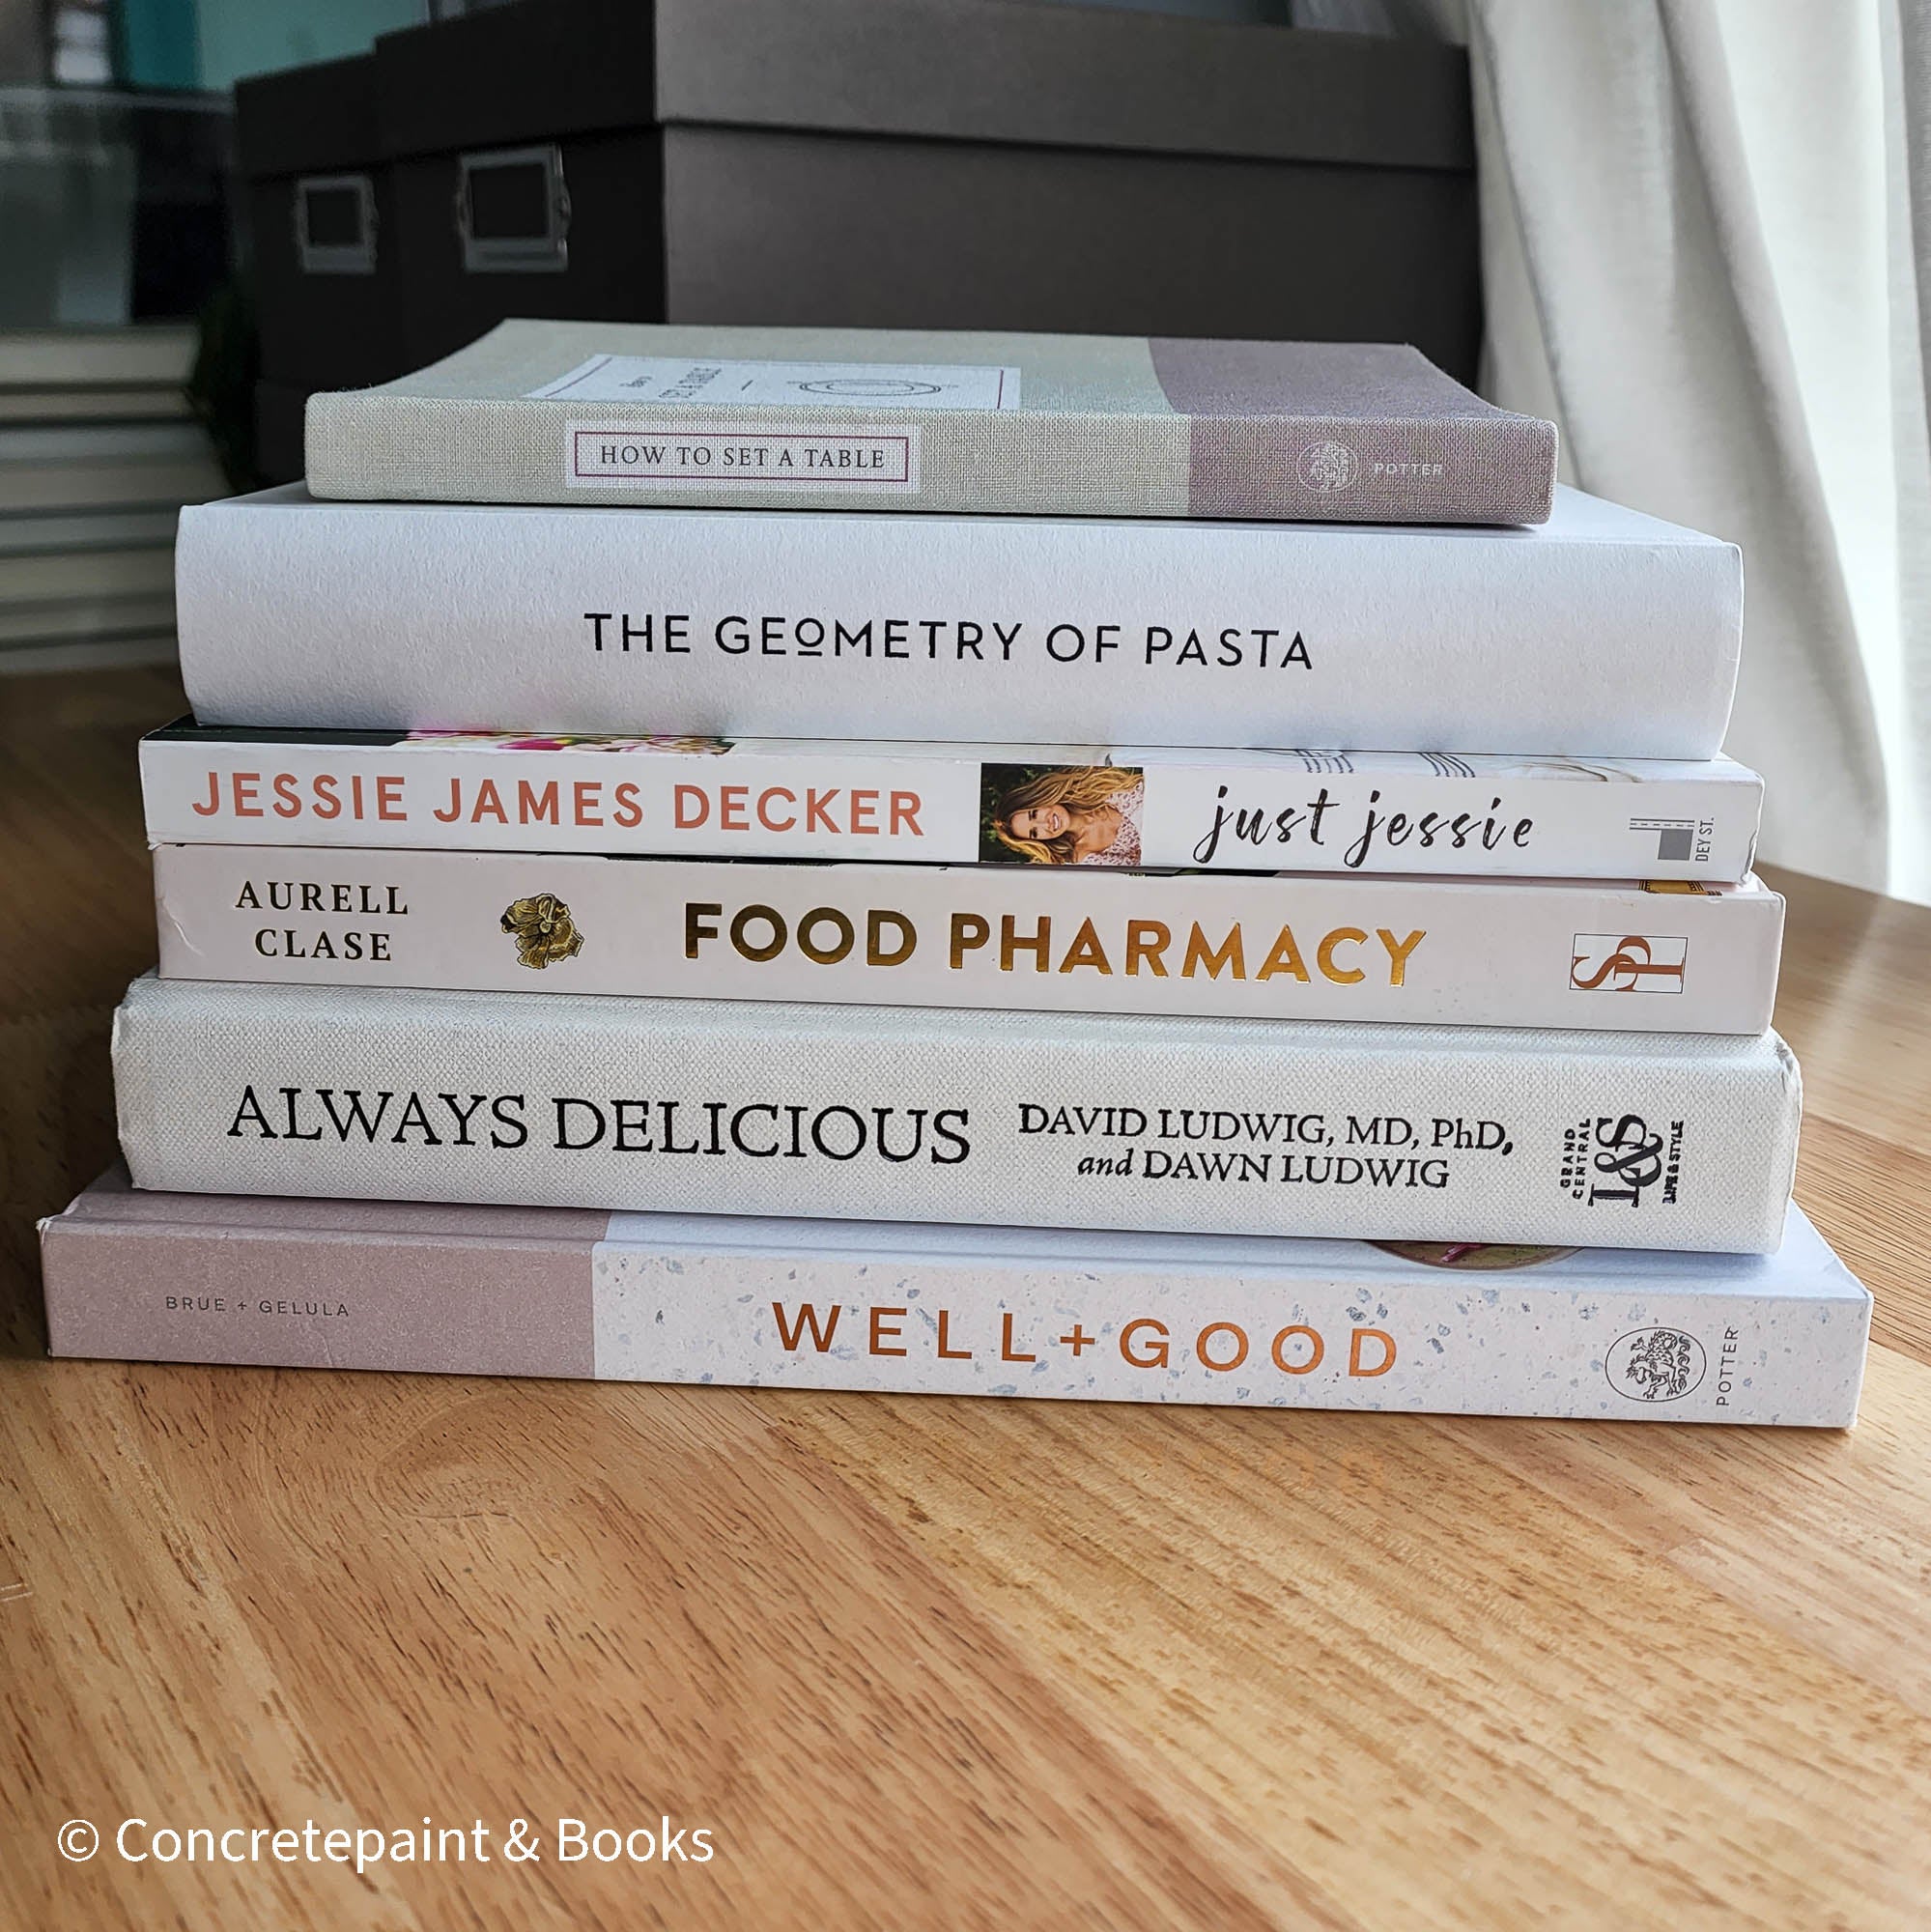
(1504, 953)
(1427, 813)
(1062, 1120)
(910, 420)
(1459, 1327)
(1601, 634)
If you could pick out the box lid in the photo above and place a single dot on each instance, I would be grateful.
(533, 72)
(1065, 76)
(308, 119)
(994, 70)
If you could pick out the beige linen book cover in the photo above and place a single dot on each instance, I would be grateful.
(892, 419)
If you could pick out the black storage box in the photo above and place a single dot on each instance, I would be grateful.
(930, 164)
(184, 158)
(278, 431)
(919, 163)
(527, 167)
(322, 225)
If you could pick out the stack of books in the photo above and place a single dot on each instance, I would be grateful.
(763, 857)
(98, 453)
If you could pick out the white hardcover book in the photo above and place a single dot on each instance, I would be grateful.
(1473, 815)
(1601, 634)
(1195, 1126)
(1508, 953)
(1454, 1327)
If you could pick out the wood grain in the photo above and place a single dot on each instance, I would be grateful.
(918, 1661)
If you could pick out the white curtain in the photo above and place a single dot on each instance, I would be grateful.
(1699, 249)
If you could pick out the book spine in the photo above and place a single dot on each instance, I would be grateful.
(782, 1314)
(1070, 1120)
(1051, 939)
(978, 629)
(1397, 470)
(1314, 811)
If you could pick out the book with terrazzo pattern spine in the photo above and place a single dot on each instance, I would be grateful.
(1454, 1327)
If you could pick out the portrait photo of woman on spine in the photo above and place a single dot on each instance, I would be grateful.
(1060, 816)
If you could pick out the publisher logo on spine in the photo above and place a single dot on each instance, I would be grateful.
(1616, 1160)
(1655, 1364)
(1627, 962)
(1328, 466)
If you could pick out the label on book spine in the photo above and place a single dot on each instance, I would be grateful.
(1271, 946)
(605, 456)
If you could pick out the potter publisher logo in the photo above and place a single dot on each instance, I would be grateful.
(1615, 1159)
(1628, 963)
(1328, 466)
(1656, 1365)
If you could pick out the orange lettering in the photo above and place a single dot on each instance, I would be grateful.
(807, 1317)
(1355, 1364)
(1213, 1328)
(533, 802)
(1316, 1351)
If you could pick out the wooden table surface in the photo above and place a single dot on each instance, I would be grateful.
(919, 1661)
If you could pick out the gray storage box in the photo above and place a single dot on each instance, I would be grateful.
(324, 255)
(935, 163)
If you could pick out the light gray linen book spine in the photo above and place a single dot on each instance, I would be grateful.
(365, 444)
(1062, 1120)
(1082, 426)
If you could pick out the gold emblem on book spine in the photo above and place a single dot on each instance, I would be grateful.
(543, 930)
